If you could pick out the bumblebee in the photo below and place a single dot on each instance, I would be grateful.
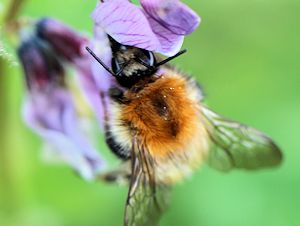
(160, 127)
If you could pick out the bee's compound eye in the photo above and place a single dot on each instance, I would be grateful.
(115, 66)
(149, 58)
(122, 47)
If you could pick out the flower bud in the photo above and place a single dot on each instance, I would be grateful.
(66, 42)
(40, 64)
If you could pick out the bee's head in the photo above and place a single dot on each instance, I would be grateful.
(130, 64)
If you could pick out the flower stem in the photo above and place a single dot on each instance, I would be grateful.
(8, 198)
(12, 12)
(9, 21)
(5, 162)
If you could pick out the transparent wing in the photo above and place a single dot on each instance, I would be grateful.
(146, 199)
(238, 146)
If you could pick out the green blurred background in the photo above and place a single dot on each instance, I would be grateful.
(246, 55)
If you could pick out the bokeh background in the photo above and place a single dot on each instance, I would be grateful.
(246, 56)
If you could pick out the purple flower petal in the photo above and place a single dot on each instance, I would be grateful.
(66, 42)
(70, 45)
(170, 42)
(87, 84)
(58, 126)
(126, 23)
(94, 79)
(71, 127)
(101, 47)
(50, 111)
(173, 15)
(40, 66)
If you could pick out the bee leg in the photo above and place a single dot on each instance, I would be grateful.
(121, 175)
(116, 94)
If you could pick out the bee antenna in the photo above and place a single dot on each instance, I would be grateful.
(170, 58)
(100, 61)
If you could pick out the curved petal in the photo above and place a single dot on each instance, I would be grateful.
(100, 46)
(67, 151)
(170, 43)
(62, 147)
(73, 132)
(99, 79)
(173, 15)
(91, 92)
(126, 23)
(60, 129)
(65, 41)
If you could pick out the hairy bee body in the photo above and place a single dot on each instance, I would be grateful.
(156, 122)
(164, 113)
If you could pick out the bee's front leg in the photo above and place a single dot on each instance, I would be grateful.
(116, 94)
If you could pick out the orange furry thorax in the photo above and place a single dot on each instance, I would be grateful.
(162, 114)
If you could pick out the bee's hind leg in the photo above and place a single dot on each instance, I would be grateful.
(121, 175)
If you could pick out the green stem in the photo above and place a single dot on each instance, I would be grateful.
(8, 200)
(12, 12)
(5, 173)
